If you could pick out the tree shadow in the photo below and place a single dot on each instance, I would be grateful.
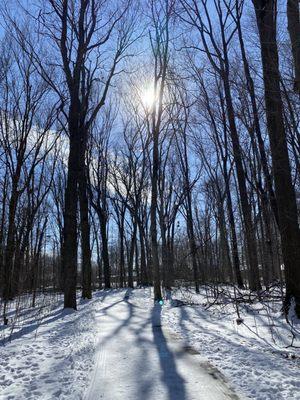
(36, 319)
(175, 384)
(34, 325)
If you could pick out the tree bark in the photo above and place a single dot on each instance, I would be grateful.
(261, 146)
(153, 214)
(285, 194)
(69, 250)
(86, 263)
(294, 32)
(105, 253)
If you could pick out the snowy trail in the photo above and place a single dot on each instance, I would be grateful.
(137, 359)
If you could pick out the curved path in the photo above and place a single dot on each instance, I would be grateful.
(137, 359)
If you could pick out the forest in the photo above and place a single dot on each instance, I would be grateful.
(150, 144)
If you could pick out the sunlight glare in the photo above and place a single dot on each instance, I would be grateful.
(149, 97)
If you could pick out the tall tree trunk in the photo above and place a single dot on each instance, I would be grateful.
(233, 236)
(153, 214)
(192, 240)
(189, 212)
(137, 267)
(261, 146)
(294, 32)
(164, 256)
(2, 227)
(266, 14)
(131, 256)
(69, 250)
(122, 254)
(143, 268)
(10, 248)
(85, 231)
(226, 268)
(105, 253)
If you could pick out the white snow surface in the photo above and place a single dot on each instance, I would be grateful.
(114, 348)
(254, 355)
(137, 359)
(50, 354)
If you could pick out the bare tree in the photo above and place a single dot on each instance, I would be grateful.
(161, 18)
(218, 56)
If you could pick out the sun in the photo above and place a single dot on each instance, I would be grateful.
(149, 97)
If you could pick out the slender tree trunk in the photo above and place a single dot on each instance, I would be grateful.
(122, 255)
(143, 268)
(105, 253)
(224, 246)
(233, 236)
(131, 256)
(192, 240)
(99, 263)
(153, 214)
(164, 255)
(2, 233)
(189, 210)
(36, 263)
(138, 273)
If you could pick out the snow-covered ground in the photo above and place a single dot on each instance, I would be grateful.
(253, 352)
(53, 354)
(50, 354)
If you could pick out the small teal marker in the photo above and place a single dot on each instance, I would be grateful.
(161, 302)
